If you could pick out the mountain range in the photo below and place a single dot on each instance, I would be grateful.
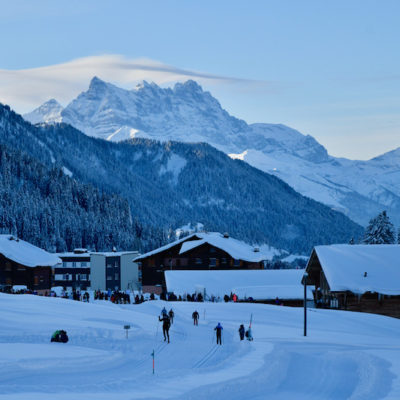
(187, 113)
(169, 184)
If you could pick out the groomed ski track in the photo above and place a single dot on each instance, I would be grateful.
(346, 355)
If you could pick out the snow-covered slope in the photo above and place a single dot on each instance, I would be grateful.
(345, 355)
(48, 112)
(186, 113)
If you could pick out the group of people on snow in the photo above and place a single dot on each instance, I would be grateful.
(167, 318)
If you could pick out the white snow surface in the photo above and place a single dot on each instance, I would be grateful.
(26, 253)
(344, 266)
(259, 284)
(346, 355)
(235, 248)
(360, 189)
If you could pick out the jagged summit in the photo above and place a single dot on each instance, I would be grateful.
(48, 112)
(187, 113)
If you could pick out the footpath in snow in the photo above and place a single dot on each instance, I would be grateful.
(346, 355)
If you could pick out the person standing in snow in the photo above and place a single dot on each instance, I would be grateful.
(195, 317)
(166, 325)
(248, 334)
(241, 332)
(171, 316)
(164, 311)
(218, 330)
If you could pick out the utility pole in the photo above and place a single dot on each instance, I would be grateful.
(305, 276)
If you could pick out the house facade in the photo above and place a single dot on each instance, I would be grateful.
(363, 278)
(74, 270)
(115, 271)
(199, 251)
(22, 263)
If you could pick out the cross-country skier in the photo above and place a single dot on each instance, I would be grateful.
(171, 316)
(218, 330)
(164, 311)
(241, 332)
(195, 317)
(249, 335)
(165, 326)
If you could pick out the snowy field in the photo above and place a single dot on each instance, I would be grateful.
(346, 355)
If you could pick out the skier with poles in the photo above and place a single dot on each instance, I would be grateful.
(166, 325)
(171, 316)
(218, 330)
(195, 317)
(248, 333)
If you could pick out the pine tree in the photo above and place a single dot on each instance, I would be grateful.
(379, 230)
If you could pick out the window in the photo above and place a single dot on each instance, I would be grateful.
(109, 265)
(65, 264)
(213, 262)
(198, 261)
(223, 260)
(73, 264)
(77, 276)
(116, 276)
(58, 277)
(36, 280)
(83, 264)
(109, 278)
(212, 250)
(66, 277)
(236, 263)
(83, 277)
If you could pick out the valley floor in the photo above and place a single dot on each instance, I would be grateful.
(346, 355)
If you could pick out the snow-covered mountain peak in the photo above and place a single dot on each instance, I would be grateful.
(187, 113)
(48, 112)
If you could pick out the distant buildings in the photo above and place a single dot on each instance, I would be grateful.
(356, 277)
(199, 251)
(22, 263)
(74, 271)
(115, 271)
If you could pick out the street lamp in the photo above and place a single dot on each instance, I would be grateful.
(305, 276)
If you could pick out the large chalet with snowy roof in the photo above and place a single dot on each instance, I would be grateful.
(22, 263)
(199, 251)
(356, 277)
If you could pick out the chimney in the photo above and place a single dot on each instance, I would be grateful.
(256, 249)
(226, 235)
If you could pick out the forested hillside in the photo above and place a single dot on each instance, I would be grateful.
(170, 184)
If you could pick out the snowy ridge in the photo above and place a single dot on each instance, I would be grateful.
(360, 189)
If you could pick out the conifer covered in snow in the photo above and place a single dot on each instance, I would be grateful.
(379, 230)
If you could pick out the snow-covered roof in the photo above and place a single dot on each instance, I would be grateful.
(235, 248)
(259, 284)
(115, 253)
(345, 265)
(25, 253)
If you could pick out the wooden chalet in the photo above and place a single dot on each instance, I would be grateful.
(22, 263)
(199, 251)
(362, 278)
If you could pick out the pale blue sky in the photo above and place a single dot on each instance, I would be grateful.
(328, 68)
